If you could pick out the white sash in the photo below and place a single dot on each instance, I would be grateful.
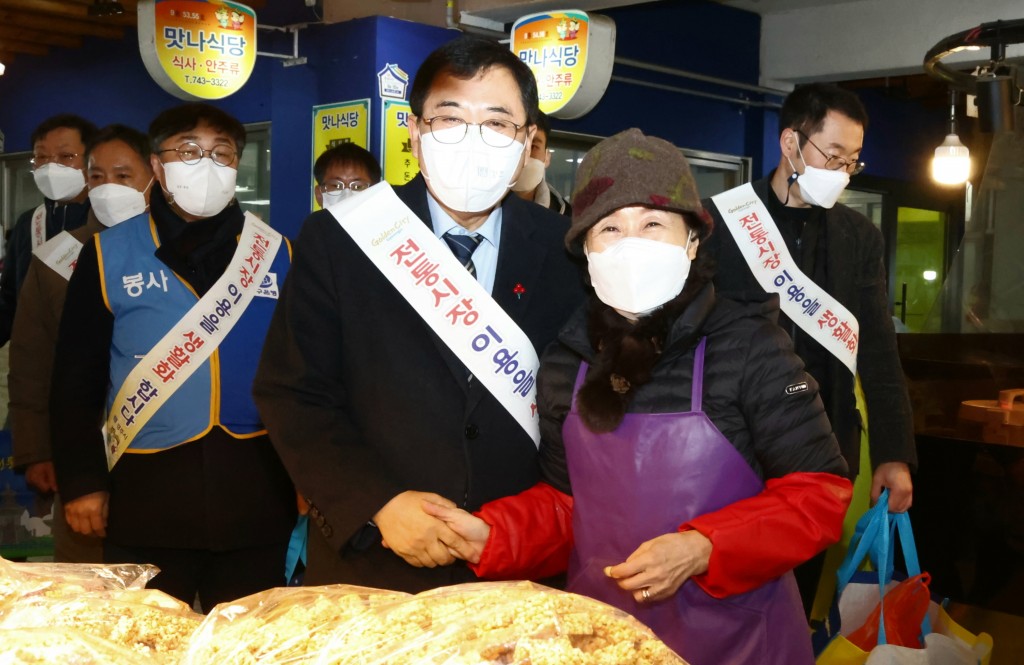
(145, 391)
(765, 252)
(39, 227)
(60, 253)
(447, 297)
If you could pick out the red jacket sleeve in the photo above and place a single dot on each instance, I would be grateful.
(756, 540)
(531, 535)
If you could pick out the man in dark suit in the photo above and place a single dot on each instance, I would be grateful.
(821, 135)
(370, 411)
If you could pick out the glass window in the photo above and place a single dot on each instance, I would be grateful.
(868, 204)
(253, 185)
(920, 264)
(713, 172)
(18, 191)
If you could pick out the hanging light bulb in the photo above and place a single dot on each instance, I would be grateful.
(951, 164)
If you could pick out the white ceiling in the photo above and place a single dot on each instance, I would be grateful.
(778, 6)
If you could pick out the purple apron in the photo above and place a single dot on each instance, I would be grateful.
(653, 473)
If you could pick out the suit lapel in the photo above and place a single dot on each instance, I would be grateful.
(520, 259)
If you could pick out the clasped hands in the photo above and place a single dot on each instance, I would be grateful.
(420, 538)
(654, 571)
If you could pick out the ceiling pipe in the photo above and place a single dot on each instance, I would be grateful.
(995, 35)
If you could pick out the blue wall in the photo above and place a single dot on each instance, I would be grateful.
(106, 82)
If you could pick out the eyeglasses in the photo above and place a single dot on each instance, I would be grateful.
(501, 133)
(837, 163)
(191, 153)
(340, 185)
(65, 158)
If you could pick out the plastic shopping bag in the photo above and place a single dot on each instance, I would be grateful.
(858, 596)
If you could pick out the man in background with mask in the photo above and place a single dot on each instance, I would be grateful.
(119, 180)
(531, 184)
(371, 410)
(343, 171)
(58, 168)
(839, 255)
(161, 331)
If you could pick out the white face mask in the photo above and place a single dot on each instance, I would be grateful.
(203, 189)
(636, 275)
(331, 198)
(114, 203)
(531, 176)
(59, 182)
(819, 187)
(468, 176)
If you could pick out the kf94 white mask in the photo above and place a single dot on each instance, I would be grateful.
(468, 176)
(114, 203)
(58, 182)
(202, 189)
(637, 275)
(820, 187)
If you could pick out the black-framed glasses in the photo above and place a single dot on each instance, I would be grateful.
(450, 129)
(334, 186)
(834, 162)
(64, 158)
(191, 153)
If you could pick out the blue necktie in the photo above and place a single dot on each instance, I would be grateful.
(462, 247)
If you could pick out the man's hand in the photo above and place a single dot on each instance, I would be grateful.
(895, 476)
(87, 514)
(41, 477)
(471, 528)
(422, 540)
(660, 566)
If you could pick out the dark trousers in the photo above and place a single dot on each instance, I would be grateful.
(216, 577)
(808, 574)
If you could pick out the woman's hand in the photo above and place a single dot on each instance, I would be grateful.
(474, 531)
(660, 566)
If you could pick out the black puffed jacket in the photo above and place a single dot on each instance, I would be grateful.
(755, 389)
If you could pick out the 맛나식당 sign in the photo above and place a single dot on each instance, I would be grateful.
(571, 54)
(197, 49)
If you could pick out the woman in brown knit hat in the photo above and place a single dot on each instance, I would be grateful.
(687, 460)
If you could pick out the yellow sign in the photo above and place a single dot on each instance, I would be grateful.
(344, 122)
(570, 54)
(399, 165)
(197, 49)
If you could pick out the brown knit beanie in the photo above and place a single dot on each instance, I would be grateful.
(632, 169)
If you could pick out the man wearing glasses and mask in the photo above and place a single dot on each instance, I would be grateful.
(371, 405)
(161, 332)
(343, 171)
(58, 169)
(786, 234)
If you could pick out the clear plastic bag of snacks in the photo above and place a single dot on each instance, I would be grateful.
(68, 580)
(45, 646)
(283, 625)
(146, 622)
(511, 623)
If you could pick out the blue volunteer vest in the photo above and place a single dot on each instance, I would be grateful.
(147, 298)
